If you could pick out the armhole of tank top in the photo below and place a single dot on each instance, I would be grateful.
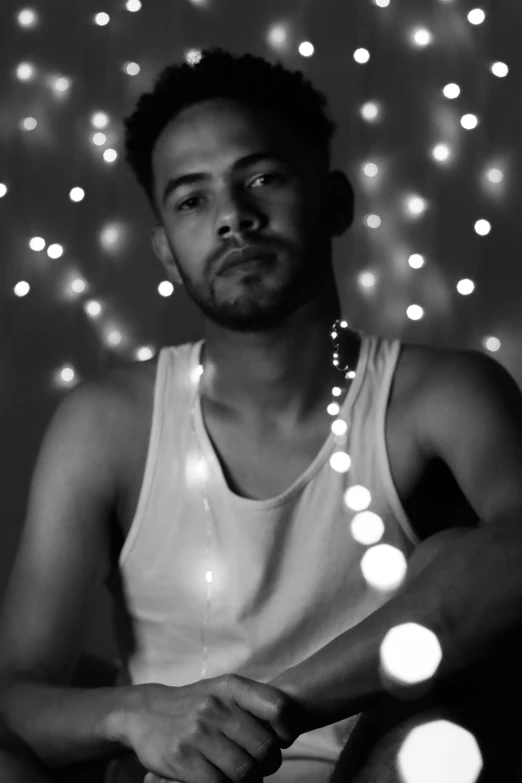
(151, 459)
(390, 490)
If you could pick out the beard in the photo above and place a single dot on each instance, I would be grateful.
(260, 297)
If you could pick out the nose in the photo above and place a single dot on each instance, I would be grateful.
(238, 216)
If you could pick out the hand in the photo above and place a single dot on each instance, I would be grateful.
(226, 728)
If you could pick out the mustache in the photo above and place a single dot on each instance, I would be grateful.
(239, 254)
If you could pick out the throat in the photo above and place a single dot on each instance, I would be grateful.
(304, 410)
(262, 428)
(263, 462)
(262, 457)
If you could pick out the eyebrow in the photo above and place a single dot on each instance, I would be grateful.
(249, 160)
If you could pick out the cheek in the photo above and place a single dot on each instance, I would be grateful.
(299, 218)
(191, 243)
(310, 213)
(310, 225)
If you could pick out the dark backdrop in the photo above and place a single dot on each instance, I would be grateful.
(47, 150)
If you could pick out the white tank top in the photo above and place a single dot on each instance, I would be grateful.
(286, 575)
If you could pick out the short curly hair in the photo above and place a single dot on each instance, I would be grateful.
(216, 73)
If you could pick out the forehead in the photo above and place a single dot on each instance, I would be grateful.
(215, 128)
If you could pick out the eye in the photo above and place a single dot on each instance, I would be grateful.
(268, 176)
(193, 198)
(278, 177)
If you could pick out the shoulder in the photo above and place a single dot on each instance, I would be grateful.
(435, 373)
(414, 384)
(133, 383)
(465, 375)
(127, 384)
(415, 363)
(462, 389)
(118, 401)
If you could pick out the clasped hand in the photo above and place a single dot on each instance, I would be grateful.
(226, 728)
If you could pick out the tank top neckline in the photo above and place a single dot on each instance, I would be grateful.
(215, 474)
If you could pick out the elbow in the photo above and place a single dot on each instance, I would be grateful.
(18, 762)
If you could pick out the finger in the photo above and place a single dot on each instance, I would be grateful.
(224, 758)
(260, 701)
(256, 737)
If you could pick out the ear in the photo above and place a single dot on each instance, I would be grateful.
(162, 251)
(338, 203)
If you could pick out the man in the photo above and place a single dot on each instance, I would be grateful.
(200, 485)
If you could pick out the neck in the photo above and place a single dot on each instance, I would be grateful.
(278, 377)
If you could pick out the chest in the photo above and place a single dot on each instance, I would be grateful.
(264, 467)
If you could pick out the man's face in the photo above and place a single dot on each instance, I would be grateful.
(270, 203)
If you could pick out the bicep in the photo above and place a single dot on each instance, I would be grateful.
(64, 548)
(472, 420)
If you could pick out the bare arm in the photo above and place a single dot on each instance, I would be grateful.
(448, 597)
(19, 769)
(64, 725)
(65, 553)
(17, 762)
(63, 557)
(470, 595)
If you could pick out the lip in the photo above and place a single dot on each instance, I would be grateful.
(238, 257)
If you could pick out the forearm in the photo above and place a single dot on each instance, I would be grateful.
(469, 595)
(63, 725)
(18, 763)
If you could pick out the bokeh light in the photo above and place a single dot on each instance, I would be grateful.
(440, 751)
(367, 528)
(410, 654)
(384, 567)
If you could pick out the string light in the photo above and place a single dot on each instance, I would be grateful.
(416, 261)
(22, 288)
(451, 91)
(500, 70)
(102, 19)
(306, 49)
(416, 205)
(410, 654)
(373, 221)
(27, 18)
(440, 751)
(477, 16)
(469, 121)
(495, 175)
(165, 288)
(415, 312)
(367, 528)
(465, 287)
(483, 227)
(441, 152)
(422, 37)
(367, 280)
(278, 35)
(371, 170)
(383, 566)
(370, 111)
(361, 56)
